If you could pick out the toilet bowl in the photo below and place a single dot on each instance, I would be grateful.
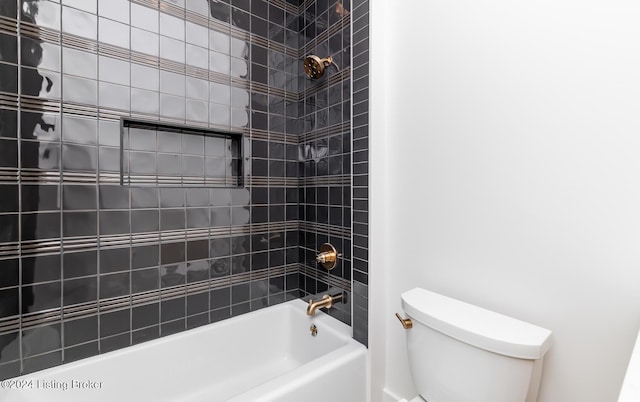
(459, 352)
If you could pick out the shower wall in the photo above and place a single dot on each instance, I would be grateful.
(325, 151)
(87, 265)
(360, 183)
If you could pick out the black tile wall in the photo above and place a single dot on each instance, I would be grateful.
(324, 151)
(75, 245)
(360, 183)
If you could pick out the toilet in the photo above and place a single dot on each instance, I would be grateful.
(459, 352)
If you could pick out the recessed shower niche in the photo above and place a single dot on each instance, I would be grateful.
(160, 154)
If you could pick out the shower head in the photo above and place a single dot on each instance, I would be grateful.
(314, 66)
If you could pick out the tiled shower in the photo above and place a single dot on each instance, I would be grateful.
(168, 164)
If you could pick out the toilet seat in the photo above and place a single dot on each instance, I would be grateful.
(416, 399)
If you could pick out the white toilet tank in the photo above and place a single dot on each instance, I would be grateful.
(459, 352)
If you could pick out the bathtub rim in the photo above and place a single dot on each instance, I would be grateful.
(340, 329)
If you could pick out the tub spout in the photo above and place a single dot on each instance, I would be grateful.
(326, 301)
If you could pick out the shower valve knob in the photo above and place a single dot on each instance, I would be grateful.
(328, 256)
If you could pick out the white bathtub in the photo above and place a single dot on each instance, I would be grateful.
(266, 355)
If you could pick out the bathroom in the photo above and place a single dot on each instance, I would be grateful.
(501, 140)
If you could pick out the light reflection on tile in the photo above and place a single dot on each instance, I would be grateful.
(239, 117)
(197, 56)
(44, 13)
(172, 26)
(79, 23)
(172, 83)
(219, 42)
(80, 90)
(197, 111)
(114, 70)
(114, 9)
(219, 114)
(197, 88)
(113, 33)
(83, 64)
(114, 96)
(197, 35)
(144, 18)
(220, 93)
(220, 62)
(145, 101)
(80, 130)
(172, 49)
(145, 42)
(172, 106)
(145, 77)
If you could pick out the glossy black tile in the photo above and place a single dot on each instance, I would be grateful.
(42, 339)
(114, 260)
(114, 222)
(198, 218)
(172, 309)
(79, 197)
(79, 224)
(8, 123)
(219, 298)
(197, 320)
(80, 330)
(145, 334)
(173, 275)
(40, 198)
(76, 291)
(197, 303)
(81, 352)
(172, 253)
(40, 226)
(10, 302)
(259, 260)
(143, 280)
(9, 273)
(172, 219)
(115, 342)
(80, 264)
(113, 197)
(8, 152)
(197, 249)
(9, 370)
(240, 244)
(145, 316)
(173, 327)
(259, 195)
(114, 285)
(240, 264)
(145, 256)
(41, 269)
(10, 197)
(41, 362)
(197, 271)
(144, 197)
(219, 267)
(9, 83)
(116, 322)
(42, 296)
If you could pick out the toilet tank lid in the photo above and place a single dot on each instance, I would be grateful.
(477, 326)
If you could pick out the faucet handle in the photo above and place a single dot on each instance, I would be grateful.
(328, 256)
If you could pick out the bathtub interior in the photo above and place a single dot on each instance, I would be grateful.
(221, 360)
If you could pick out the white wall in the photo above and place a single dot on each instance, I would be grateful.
(505, 154)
